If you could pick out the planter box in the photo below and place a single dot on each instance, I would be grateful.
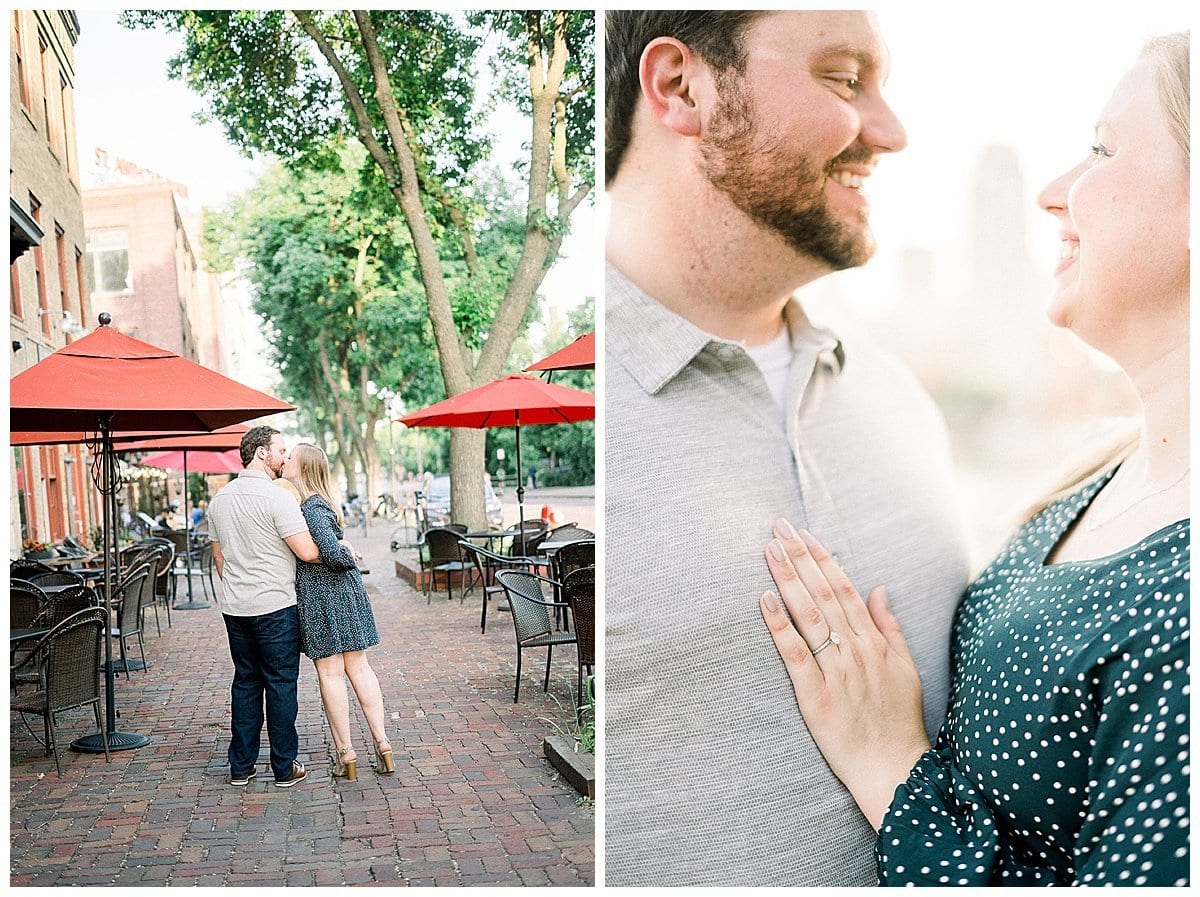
(577, 767)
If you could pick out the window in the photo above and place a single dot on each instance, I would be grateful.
(44, 55)
(19, 42)
(108, 262)
(14, 295)
(65, 124)
(60, 248)
(35, 211)
(79, 286)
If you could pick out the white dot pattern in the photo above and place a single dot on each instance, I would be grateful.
(1064, 758)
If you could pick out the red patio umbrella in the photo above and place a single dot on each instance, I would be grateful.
(578, 356)
(509, 402)
(217, 452)
(202, 462)
(107, 382)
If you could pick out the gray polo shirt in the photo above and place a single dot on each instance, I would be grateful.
(711, 777)
(250, 517)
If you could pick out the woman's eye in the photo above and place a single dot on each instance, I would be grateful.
(1098, 150)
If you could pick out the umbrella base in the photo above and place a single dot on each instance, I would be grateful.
(190, 605)
(117, 741)
(132, 665)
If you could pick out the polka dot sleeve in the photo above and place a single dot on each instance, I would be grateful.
(1136, 828)
(323, 525)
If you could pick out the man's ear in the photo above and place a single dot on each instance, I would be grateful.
(668, 73)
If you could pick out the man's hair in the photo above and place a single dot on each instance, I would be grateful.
(255, 437)
(714, 36)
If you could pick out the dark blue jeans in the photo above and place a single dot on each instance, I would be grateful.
(266, 664)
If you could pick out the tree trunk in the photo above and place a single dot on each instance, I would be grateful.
(466, 477)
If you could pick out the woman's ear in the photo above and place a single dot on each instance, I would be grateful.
(668, 74)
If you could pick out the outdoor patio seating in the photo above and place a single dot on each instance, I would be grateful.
(162, 555)
(487, 564)
(23, 568)
(527, 538)
(208, 566)
(531, 617)
(135, 590)
(579, 591)
(64, 604)
(24, 601)
(444, 556)
(56, 578)
(68, 660)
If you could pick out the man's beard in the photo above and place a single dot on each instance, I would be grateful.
(782, 191)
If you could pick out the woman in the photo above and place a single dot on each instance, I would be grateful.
(336, 623)
(1064, 755)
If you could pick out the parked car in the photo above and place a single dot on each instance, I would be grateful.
(437, 503)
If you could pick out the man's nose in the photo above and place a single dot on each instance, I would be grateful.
(882, 130)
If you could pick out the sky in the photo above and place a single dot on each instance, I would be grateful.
(963, 77)
(126, 105)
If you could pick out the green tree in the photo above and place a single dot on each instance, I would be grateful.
(344, 312)
(402, 82)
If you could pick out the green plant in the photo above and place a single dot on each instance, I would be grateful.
(579, 727)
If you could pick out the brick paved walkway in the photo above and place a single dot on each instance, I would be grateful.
(472, 801)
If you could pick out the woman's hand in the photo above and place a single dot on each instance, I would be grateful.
(855, 681)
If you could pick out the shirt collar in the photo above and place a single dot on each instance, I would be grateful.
(655, 344)
(254, 474)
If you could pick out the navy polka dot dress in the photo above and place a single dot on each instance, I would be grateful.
(331, 602)
(1064, 757)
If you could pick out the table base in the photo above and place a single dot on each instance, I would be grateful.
(117, 741)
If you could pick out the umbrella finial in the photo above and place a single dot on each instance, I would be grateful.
(105, 319)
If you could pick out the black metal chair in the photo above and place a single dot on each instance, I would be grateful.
(487, 564)
(208, 567)
(135, 590)
(162, 556)
(69, 661)
(444, 556)
(526, 539)
(571, 557)
(579, 591)
(23, 568)
(531, 617)
(57, 578)
(24, 601)
(64, 604)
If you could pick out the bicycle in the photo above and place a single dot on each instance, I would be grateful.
(408, 533)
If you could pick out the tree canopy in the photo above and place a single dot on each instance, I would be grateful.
(403, 84)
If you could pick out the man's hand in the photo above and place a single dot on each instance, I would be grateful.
(218, 560)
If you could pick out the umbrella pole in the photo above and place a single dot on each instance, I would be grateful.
(110, 484)
(192, 603)
(520, 482)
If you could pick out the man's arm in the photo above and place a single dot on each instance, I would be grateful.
(304, 547)
(218, 559)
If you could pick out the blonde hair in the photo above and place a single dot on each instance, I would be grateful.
(313, 477)
(1170, 54)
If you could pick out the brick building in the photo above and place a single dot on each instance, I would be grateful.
(48, 304)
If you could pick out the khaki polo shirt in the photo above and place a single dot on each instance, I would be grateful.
(711, 777)
(250, 518)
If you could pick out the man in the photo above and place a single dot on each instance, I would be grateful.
(738, 145)
(257, 533)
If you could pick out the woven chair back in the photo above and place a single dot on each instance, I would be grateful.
(575, 556)
(65, 604)
(57, 578)
(72, 660)
(24, 605)
(442, 542)
(530, 618)
(579, 591)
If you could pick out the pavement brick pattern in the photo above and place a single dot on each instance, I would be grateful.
(472, 801)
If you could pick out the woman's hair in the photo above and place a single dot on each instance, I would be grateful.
(312, 475)
(1172, 72)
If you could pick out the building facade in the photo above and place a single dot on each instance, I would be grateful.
(48, 303)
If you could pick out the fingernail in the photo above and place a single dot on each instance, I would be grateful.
(778, 550)
(784, 530)
(770, 602)
(809, 538)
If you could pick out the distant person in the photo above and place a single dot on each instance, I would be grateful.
(336, 622)
(164, 518)
(738, 144)
(257, 533)
(1064, 759)
(198, 513)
